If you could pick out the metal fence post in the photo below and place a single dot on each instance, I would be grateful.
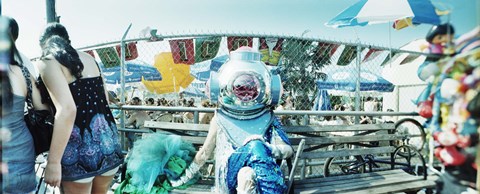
(357, 89)
(51, 13)
(122, 80)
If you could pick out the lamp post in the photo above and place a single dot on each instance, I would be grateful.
(51, 14)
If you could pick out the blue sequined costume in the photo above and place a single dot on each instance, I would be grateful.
(255, 154)
(247, 133)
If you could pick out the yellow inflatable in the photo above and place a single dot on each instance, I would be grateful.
(174, 75)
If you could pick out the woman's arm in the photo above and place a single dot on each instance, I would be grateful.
(280, 149)
(201, 157)
(209, 145)
(132, 119)
(57, 86)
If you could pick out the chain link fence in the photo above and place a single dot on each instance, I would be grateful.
(317, 74)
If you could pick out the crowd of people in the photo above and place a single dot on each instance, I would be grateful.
(135, 119)
(369, 104)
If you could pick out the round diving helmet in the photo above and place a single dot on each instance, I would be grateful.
(244, 86)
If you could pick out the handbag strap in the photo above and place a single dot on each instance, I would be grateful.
(28, 100)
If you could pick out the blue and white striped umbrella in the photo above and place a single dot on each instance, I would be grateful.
(202, 70)
(346, 80)
(134, 72)
(322, 101)
(366, 12)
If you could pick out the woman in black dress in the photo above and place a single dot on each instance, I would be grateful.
(85, 153)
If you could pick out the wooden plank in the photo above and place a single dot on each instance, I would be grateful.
(337, 128)
(382, 186)
(349, 176)
(391, 188)
(176, 126)
(197, 140)
(347, 152)
(201, 187)
(357, 184)
(341, 183)
(374, 177)
(398, 187)
(294, 141)
(351, 139)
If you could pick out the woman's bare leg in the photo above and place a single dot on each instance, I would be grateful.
(69, 187)
(101, 184)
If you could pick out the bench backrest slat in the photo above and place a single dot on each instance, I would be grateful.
(196, 140)
(336, 128)
(351, 139)
(176, 126)
(346, 152)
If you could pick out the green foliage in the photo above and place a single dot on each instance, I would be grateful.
(302, 61)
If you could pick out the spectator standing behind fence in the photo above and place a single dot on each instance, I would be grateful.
(136, 120)
(17, 151)
(150, 102)
(286, 104)
(342, 119)
(389, 119)
(85, 153)
(188, 117)
(206, 117)
(370, 105)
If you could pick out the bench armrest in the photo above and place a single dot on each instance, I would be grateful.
(412, 151)
(295, 162)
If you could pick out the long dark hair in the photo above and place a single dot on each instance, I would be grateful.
(8, 56)
(13, 56)
(56, 42)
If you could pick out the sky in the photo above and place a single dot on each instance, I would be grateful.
(92, 22)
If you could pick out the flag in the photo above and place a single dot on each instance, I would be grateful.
(90, 52)
(390, 58)
(271, 49)
(206, 48)
(348, 54)
(324, 52)
(131, 52)
(235, 42)
(371, 54)
(183, 51)
(409, 58)
(108, 56)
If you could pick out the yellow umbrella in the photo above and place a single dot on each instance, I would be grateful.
(174, 76)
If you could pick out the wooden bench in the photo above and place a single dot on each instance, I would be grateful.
(315, 144)
(377, 140)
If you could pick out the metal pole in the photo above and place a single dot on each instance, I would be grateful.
(357, 88)
(397, 98)
(477, 161)
(122, 79)
(51, 14)
(478, 24)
